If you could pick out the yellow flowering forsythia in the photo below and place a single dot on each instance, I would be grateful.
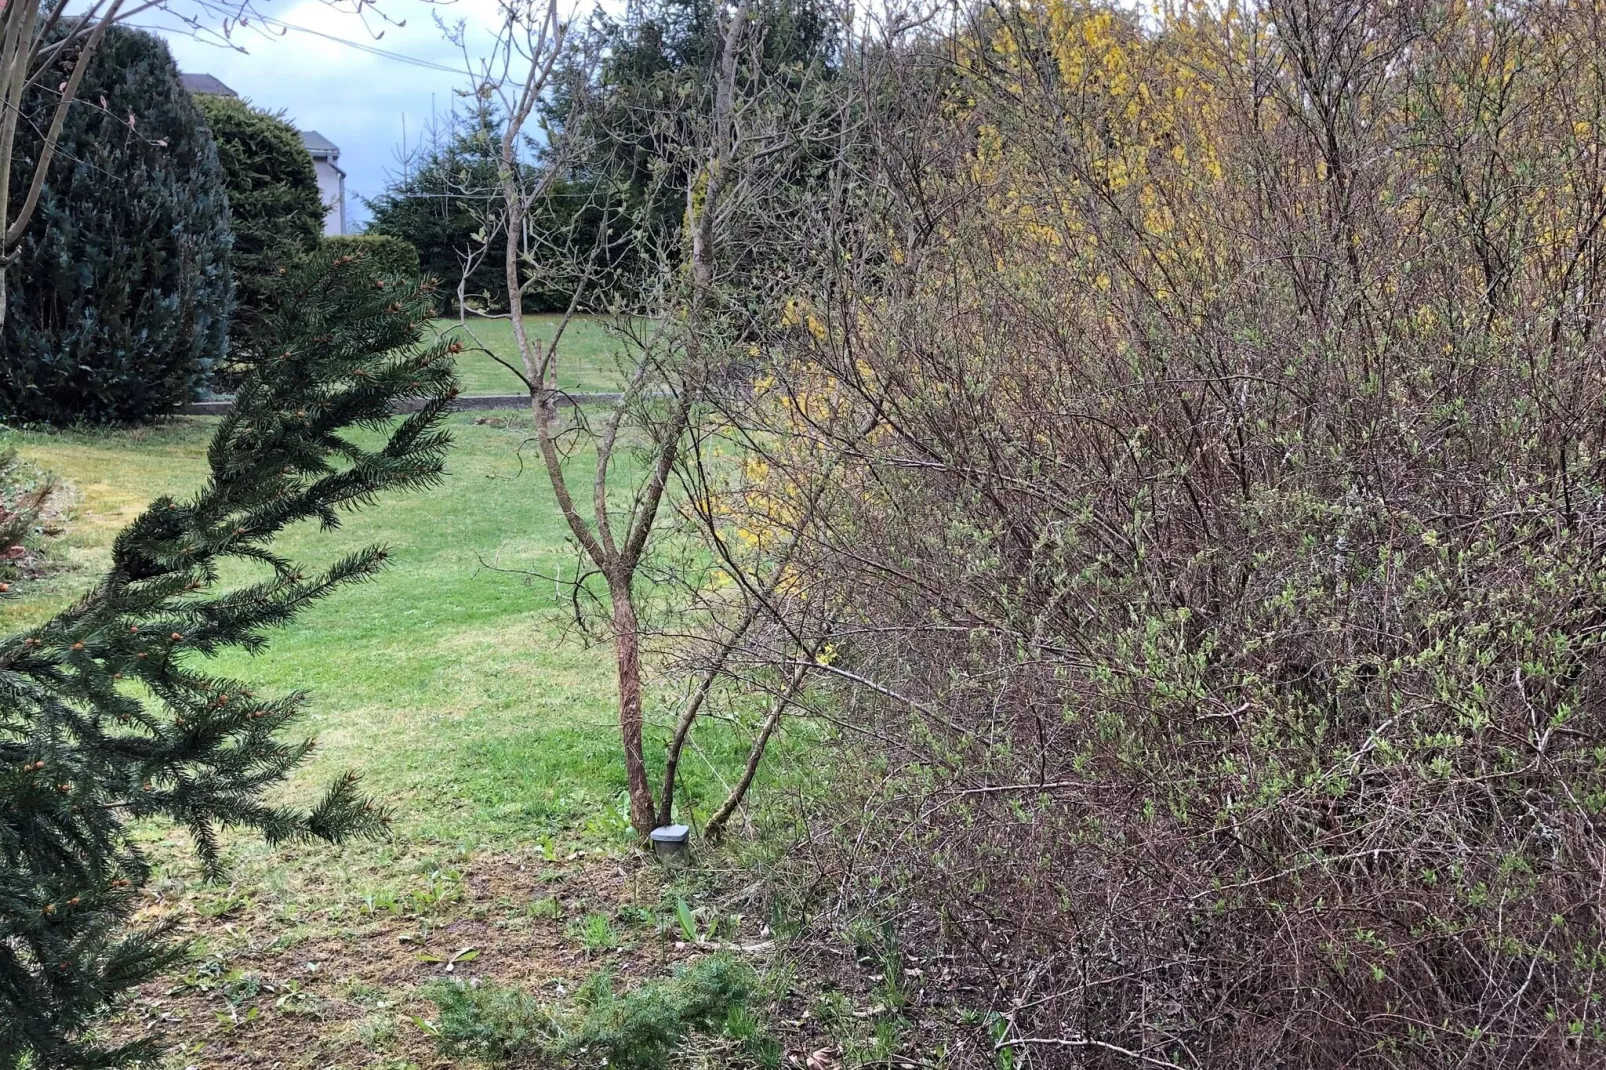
(1139, 158)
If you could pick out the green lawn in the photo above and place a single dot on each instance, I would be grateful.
(587, 357)
(458, 691)
(467, 705)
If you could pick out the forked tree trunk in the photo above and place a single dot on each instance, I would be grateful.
(627, 656)
(616, 560)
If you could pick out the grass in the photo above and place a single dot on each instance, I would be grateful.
(457, 688)
(586, 357)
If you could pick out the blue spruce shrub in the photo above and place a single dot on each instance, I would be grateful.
(119, 303)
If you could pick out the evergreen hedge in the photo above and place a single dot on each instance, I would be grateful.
(275, 208)
(119, 302)
(381, 253)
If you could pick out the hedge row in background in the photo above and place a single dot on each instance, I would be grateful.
(385, 255)
(118, 306)
(274, 205)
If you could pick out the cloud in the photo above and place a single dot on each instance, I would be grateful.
(323, 67)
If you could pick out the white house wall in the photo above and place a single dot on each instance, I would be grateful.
(332, 188)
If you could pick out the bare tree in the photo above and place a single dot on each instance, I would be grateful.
(660, 393)
(618, 560)
(691, 351)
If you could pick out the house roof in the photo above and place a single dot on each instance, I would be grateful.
(205, 83)
(319, 145)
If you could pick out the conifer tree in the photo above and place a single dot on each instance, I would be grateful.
(275, 209)
(119, 298)
(108, 712)
(445, 196)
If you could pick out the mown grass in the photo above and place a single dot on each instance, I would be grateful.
(457, 689)
(587, 356)
(454, 683)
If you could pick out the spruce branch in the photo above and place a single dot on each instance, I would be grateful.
(80, 754)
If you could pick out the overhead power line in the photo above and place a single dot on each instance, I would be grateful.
(370, 49)
(361, 46)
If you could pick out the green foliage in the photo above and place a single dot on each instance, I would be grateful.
(275, 208)
(595, 933)
(447, 206)
(119, 301)
(380, 253)
(107, 714)
(688, 923)
(640, 1029)
(442, 202)
(656, 85)
(484, 1020)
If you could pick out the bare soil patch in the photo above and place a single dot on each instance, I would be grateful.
(309, 975)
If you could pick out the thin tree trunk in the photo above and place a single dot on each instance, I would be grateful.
(627, 656)
(666, 797)
(688, 715)
(714, 830)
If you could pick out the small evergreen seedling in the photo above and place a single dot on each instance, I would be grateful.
(484, 1020)
(107, 712)
(640, 1029)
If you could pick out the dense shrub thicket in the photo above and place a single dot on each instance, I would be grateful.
(1221, 576)
(275, 209)
(119, 302)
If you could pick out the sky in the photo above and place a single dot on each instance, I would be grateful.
(366, 102)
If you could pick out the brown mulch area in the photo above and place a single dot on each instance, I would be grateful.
(302, 979)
